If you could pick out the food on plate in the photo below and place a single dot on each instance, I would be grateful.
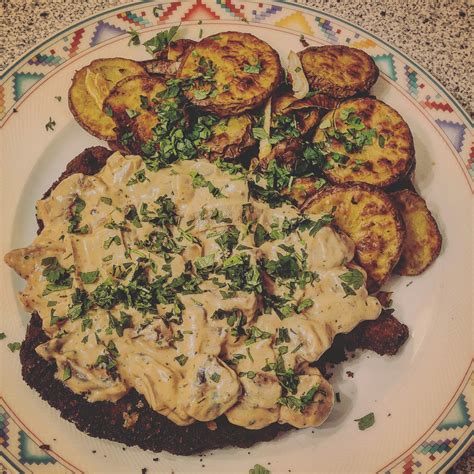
(130, 104)
(90, 87)
(384, 335)
(365, 141)
(190, 286)
(229, 138)
(291, 116)
(151, 281)
(230, 73)
(339, 71)
(167, 61)
(88, 162)
(369, 218)
(423, 240)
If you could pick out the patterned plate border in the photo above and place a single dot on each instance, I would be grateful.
(436, 450)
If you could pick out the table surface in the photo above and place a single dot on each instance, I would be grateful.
(435, 33)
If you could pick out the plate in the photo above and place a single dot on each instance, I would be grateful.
(420, 397)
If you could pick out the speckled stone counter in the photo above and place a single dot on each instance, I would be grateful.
(435, 33)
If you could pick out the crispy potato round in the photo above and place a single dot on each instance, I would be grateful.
(369, 218)
(306, 115)
(124, 103)
(166, 62)
(423, 239)
(302, 189)
(90, 87)
(386, 155)
(339, 71)
(230, 138)
(237, 72)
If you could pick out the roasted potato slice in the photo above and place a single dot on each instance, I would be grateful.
(369, 218)
(131, 112)
(167, 61)
(339, 71)
(306, 116)
(365, 141)
(90, 87)
(236, 72)
(303, 188)
(423, 240)
(230, 138)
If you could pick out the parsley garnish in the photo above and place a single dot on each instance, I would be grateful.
(181, 359)
(66, 373)
(89, 277)
(57, 276)
(259, 469)
(76, 208)
(198, 181)
(351, 280)
(253, 68)
(299, 404)
(215, 377)
(366, 421)
(161, 40)
(50, 125)
(138, 177)
(14, 346)
(134, 37)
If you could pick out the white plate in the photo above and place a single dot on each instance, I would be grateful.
(421, 397)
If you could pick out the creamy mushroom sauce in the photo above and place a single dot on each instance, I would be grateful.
(153, 281)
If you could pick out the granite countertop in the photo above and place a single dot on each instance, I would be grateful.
(435, 33)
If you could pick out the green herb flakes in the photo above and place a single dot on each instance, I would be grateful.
(366, 421)
(181, 359)
(89, 277)
(14, 346)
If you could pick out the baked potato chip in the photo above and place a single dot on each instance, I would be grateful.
(230, 138)
(306, 115)
(369, 218)
(339, 71)
(90, 87)
(166, 62)
(302, 189)
(130, 104)
(231, 73)
(423, 240)
(365, 141)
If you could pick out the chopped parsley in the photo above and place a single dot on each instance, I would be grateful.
(215, 377)
(75, 218)
(253, 68)
(366, 421)
(89, 277)
(351, 280)
(14, 346)
(299, 404)
(181, 359)
(259, 469)
(50, 125)
(134, 37)
(198, 181)
(66, 373)
(58, 277)
(138, 177)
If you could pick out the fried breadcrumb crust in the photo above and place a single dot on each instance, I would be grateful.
(131, 420)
